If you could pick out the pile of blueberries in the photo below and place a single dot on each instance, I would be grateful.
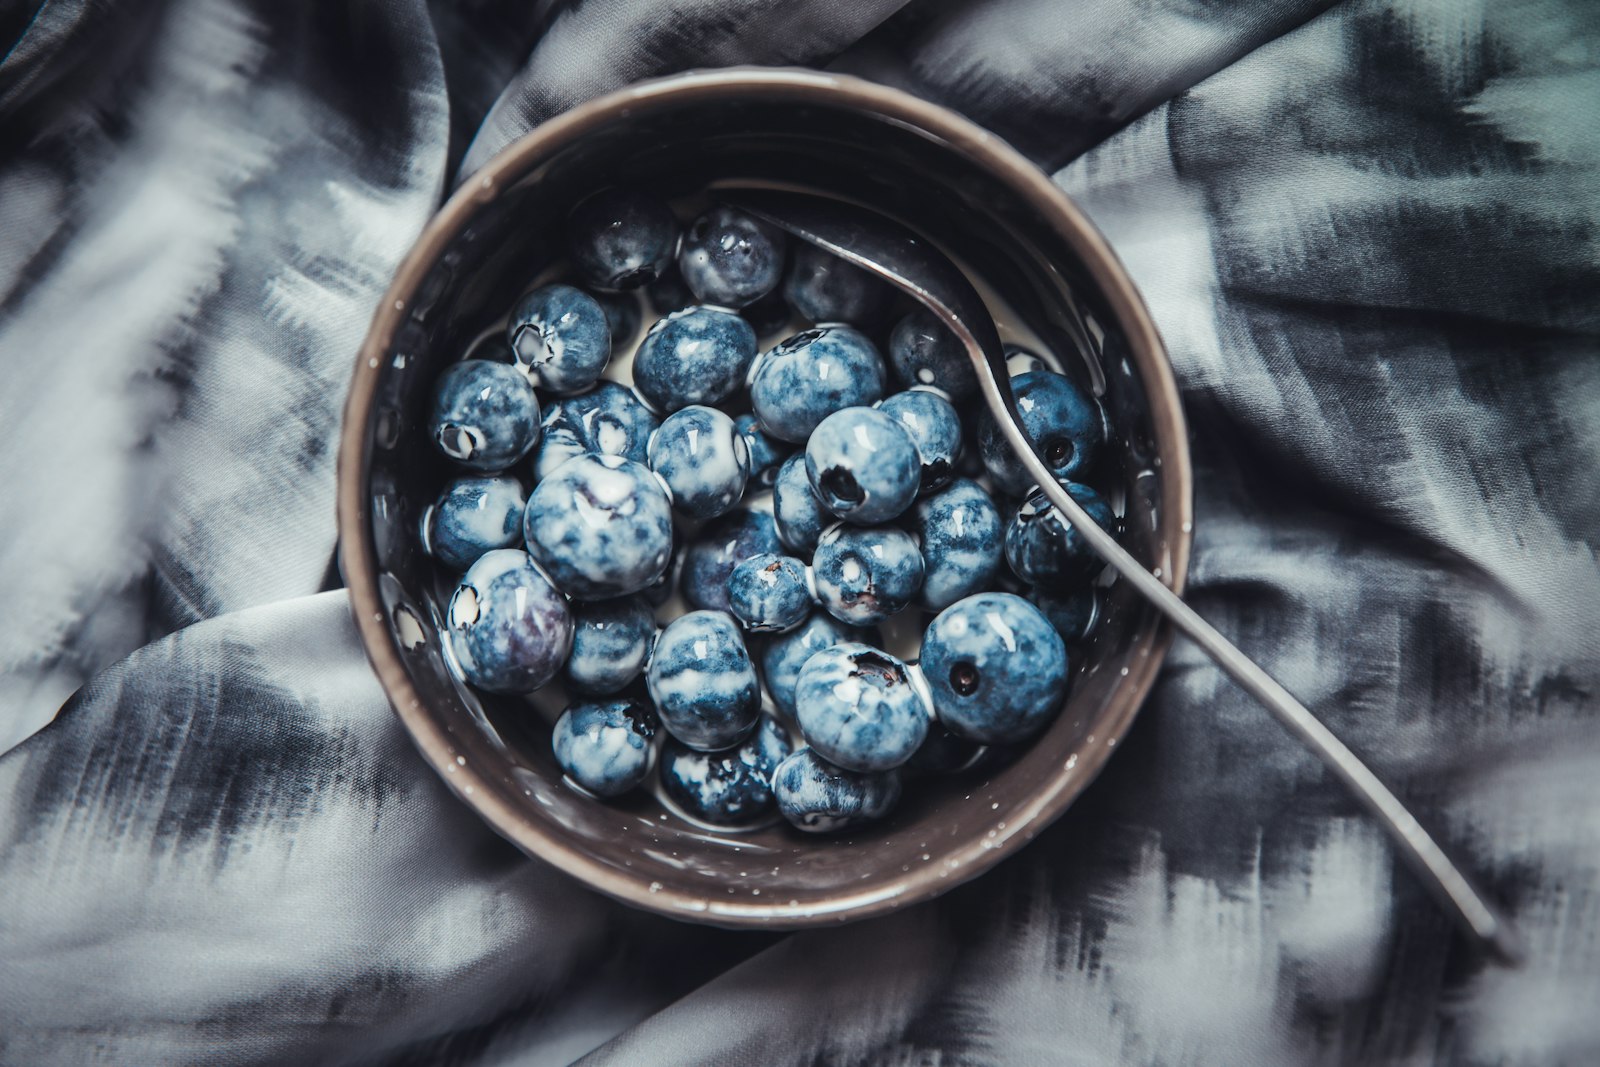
(882, 502)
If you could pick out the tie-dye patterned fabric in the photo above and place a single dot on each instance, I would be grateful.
(1370, 234)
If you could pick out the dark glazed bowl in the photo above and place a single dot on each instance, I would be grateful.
(839, 136)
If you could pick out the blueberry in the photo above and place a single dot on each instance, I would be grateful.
(726, 788)
(700, 455)
(669, 292)
(1064, 422)
(605, 746)
(622, 316)
(1074, 614)
(818, 797)
(473, 516)
(768, 316)
(600, 526)
(935, 427)
(622, 238)
(484, 415)
(811, 375)
(822, 288)
(608, 420)
(610, 642)
(944, 753)
(1044, 549)
(1020, 360)
(719, 547)
(765, 453)
(996, 668)
(769, 593)
(786, 653)
(857, 708)
(509, 628)
(863, 465)
(703, 682)
(799, 515)
(560, 338)
(923, 351)
(730, 259)
(699, 355)
(866, 574)
(960, 532)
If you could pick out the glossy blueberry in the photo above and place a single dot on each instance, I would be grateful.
(623, 316)
(863, 465)
(473, 516)
(608, 420)
(1045, 550)
(765, 453)
(864, 575)
(509, 627)
(730, 259)
(769, 593)
(703, 682)
(610, 642)
(857, 708)
(811, 375)
(622, 238)
(600, 526)
(822, 288)
(700, 455)
(923, 351)
(698, 355)
(799, 515)
(605, 745)
(996, 668)
(560, 338)
(935, 427)
(1063, 421)
(960, 532)
(725, 788)
(1074, 614)
(722, 545)
(944, 753)
(786, 653)
(1020, 360)
(818, 797)
(484, 415)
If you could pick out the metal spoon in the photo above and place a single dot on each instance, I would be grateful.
(894, 253)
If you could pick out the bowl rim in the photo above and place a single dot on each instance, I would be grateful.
(496, 801)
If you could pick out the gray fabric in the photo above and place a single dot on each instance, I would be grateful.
(1368, 233)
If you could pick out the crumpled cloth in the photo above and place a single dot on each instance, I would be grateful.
(1370, 234)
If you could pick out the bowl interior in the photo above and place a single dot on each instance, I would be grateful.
(841, 138)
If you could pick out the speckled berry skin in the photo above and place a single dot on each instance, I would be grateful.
(857, 708)
(702, 681)
(766, 453)
(720, 546)
(769, 593)
(863, 465)
(798, 514)
(823, 288)
(560, 338)
(786, 653)
(728, 788)
(698, 355)
(600, 526)
(864, 575)
(935, 428)
(611, 641)
(811, 375)
(1063, 421)
(730, 259)
(960, 534)
(942, 752)
(1045, 550)
(622, 238)
(473, 516)
(1074, 614)
(996, 668)
(509, 627)
(608, 420)
(605, 745)
(820, 798)
(923, 351)
(484, 415)
(700, 454)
